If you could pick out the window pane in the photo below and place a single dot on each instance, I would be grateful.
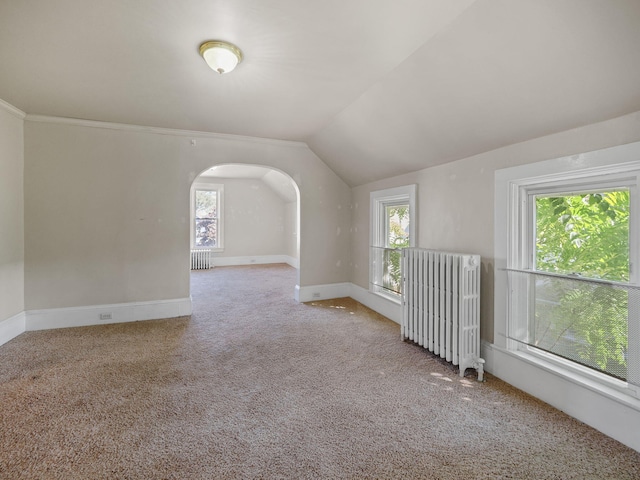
(206, 220)
(585, 234)
(391, 211)
(397, 226)
(583, 321)
(386, 268)
(387, 259)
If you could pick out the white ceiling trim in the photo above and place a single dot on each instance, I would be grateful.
(12, 110)
(159, 130)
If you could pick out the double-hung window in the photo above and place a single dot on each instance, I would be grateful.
(573, 273)
(206, 216)
(393, 227)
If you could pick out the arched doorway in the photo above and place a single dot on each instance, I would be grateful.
(243, 214)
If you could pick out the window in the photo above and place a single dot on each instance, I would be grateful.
(393, 214)
(206, 216)
(574, 288)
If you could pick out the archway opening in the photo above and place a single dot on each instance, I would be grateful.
(243, 214)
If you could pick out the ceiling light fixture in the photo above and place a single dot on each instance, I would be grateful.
(220, 56)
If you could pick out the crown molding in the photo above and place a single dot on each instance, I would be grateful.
(162, 131)
(16, 112)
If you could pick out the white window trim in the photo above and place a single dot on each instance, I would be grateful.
(220, 211)
(511, 247)
(378, 199)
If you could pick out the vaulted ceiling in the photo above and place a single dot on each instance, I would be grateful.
(376, 88)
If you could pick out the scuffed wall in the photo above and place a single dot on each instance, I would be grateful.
(455, 200)
(107, 210)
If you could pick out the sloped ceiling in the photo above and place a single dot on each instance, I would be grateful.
(376, 88)
(503, 72)
(278, 182)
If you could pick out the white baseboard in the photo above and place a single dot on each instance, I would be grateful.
(609, 413)
(105, 314)
(11, 327)
(385, 307)
(292, 261)
(486, 352)
(255, 260)
(389, 309)
(322, 292)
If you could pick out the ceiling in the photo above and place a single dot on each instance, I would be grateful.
(375, 88)
(281, 184)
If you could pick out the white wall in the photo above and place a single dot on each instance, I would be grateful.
(456, 213)
(107, 209)
(11, 214)
(455, 200)
(254, 218)
(291, 229)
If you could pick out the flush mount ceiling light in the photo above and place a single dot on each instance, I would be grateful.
(221, 56)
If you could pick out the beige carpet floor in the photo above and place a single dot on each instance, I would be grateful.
(254, 385)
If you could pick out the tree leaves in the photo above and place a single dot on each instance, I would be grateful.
(585, 234)
(398, 237)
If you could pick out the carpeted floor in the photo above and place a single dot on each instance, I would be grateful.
(254, 385)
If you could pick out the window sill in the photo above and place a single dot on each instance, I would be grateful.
(616, 390)
(396, 299)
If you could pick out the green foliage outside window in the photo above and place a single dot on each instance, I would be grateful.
(586, 236)
(397, 237)
(206, 221)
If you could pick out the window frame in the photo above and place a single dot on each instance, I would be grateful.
(210, 187)
(597, 183)
(379, 201)
(519, 231)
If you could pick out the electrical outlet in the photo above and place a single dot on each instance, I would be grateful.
(105, 316)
